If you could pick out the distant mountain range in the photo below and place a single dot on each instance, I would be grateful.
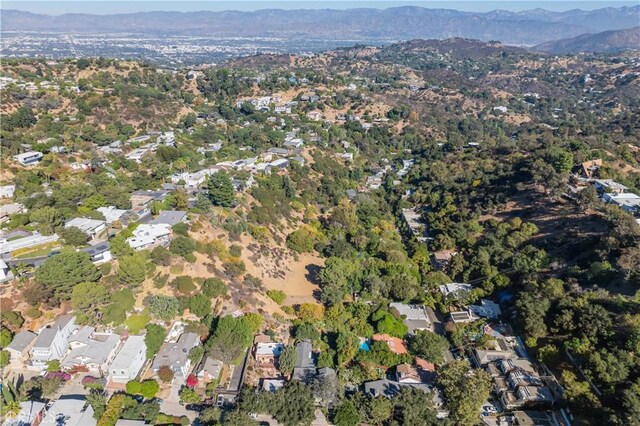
(606, 41)
(527, 28)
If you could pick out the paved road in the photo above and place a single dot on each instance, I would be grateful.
(438, 327)
(171, 404)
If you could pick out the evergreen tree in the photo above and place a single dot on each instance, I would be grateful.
(221, 191)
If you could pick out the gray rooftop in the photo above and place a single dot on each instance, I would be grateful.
(97, 249)
(175, 355)
(128, 351)
(170, 217)
(46, 336)
(21, 341)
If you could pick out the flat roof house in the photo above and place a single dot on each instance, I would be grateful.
(150, 235)
(28, 158)
(30, 241)
(129, 360)
(7, 191)
(111, 213)
(175, 355)
(52, 342)
(414, 316)
(91, 227)
(267, 353)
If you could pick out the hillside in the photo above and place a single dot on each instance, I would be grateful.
(606, 41)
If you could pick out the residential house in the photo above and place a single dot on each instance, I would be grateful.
(281, 163)
(293, 143)
(486, 309)
(461, 317)
(413, 219)
(267, 353)
(91, 227)
(175, 355)
(305, 366)
(395, 344)
(440, 259)
(129, 360)
(147, 236)
(314, 115)
(414, 316)
(94, 351)
(298, 159)
(627, 201)
(28, 158)
(7, 191)
(591, 167)
(8, 210)
(137, 154)
(609, 186)
(52, 342)
(31, 414)
(19, 347)
(143, 199)
(455, 290)
(111, 213)
(71, 410)
(278, 151)
(31, 241)
(407, 373)
(5, 272)
(210, 370)
(169, 217)
(272, 385)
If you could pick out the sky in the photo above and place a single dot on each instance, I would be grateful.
(56, 7)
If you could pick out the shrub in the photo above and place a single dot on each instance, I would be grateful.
(165, 373)
(235, 250)
(183, 246)
(214, 287)
(181, 229)
(234, 267)
(277, 296)
(184, 284)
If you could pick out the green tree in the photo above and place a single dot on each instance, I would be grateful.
(5, 358)
(294, 404)
(379, 410)
(5, 337)
(287, 360)
(183, 246)
(346, 414)
(200, 305)
(464, 392)
(415, 407)
(230, 337)
(74, 236)
(97, 399)
(87, 299)
(221, 191)
(154, 338)
(429, 346)
(47, 218)
(120, 247)
(214, 287)
(165, 373)
(164, 307)
(132, 270)
(65, 270)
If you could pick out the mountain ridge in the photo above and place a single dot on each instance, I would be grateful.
(528, 28)
(602, 42)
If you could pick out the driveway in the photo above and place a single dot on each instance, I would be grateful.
(171, 404)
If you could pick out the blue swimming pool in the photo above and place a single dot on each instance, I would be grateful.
(365, 346)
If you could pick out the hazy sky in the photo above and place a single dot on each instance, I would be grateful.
(55, 7)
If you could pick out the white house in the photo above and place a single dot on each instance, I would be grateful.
(92, 350)
(111, 213)
(129, 360)
(91, 227)
(31, 241)
(627, 201)
(5, 271)
(137, 154)
(7, 191)
(150, 235)
(28, 158)
(99, 253)
(52, 342)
